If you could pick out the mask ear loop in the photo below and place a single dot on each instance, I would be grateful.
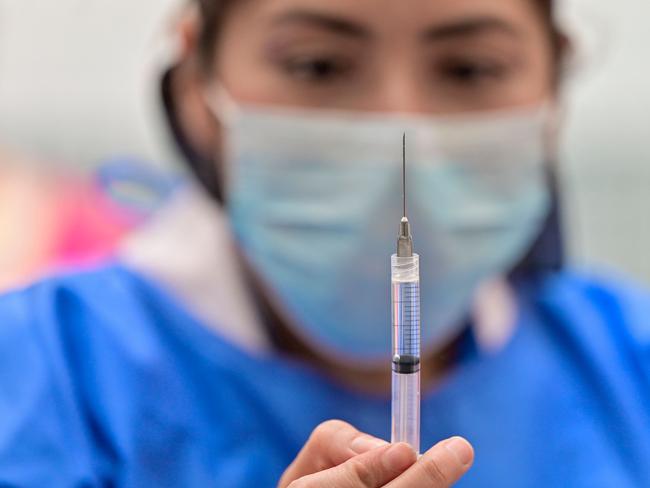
(225, 111)
(201, 167)
(547, 252)
(555, 255)
(221, 104)
(554, 118)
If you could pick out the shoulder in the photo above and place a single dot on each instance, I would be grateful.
(605, 316)
(94, 365)
(52, 333)
(59, 297)
(89, 314)
(613, 297)
(69, 301)
(45, 339)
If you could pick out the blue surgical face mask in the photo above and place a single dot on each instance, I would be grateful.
(314, 199)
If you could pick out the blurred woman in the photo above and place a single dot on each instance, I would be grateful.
(243, 338)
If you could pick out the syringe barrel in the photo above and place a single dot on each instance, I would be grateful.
(405, 303)
(405, 415)
(405, 284)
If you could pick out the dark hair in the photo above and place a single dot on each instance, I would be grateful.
(557, 38)
(213, 12)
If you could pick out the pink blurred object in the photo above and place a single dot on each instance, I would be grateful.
(90, 226)
(52, 220)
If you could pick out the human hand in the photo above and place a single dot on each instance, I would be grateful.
(339, 455)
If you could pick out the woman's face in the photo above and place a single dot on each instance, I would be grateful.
(426, 56)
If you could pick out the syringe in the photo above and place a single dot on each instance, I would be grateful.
(405, 282)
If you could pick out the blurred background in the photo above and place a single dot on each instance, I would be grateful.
(78, 89)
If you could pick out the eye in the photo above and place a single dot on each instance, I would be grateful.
(317, 69)
(471, 72)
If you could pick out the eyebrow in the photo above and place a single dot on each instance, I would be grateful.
(470, 27)
(329, 22)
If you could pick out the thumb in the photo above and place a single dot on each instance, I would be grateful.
(372, 469)
(441, 466)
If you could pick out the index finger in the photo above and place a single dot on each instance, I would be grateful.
(330, 444)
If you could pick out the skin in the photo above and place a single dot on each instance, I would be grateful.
(25, 195)
(385, 56)
(421, 56)
(339, 455)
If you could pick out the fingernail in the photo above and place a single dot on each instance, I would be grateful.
(398, 457)
(366, 443)
(461, 449)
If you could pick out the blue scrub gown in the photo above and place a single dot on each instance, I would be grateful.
(107, 381)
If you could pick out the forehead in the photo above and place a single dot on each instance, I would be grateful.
(402, 15)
